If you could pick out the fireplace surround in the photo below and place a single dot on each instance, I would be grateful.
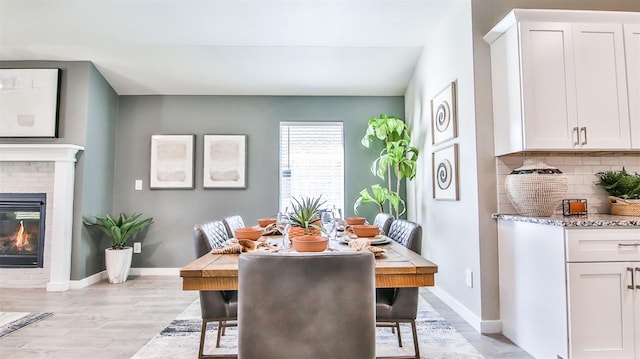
(61, 159)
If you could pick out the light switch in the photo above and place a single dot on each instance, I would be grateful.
(138, 185)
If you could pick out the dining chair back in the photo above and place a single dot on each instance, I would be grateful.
(383, 221)
(400, 305)
(306, 305)
(232, 223)
(407, 233)
(216, 306)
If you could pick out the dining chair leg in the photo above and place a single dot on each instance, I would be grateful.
(416, 345)
(220, 330)
(203, 332)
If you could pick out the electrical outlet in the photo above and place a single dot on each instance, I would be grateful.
(468, 278)
(138, 185)
(137, 247)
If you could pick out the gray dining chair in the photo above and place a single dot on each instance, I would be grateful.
(232, 223)
(306, 305)
(383, 221)
(216, 306)
(400, 305)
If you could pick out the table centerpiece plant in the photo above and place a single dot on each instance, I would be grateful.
(305, 231)
(118, 229)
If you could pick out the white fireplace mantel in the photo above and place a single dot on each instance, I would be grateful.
(64, 157)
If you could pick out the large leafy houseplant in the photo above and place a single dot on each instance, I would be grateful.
(620, 184)
(119, 229)
(397, 161)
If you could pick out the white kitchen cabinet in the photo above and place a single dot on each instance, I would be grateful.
(632, 51)
(570, 292)
(559, 81)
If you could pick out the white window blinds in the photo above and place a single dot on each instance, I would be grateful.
(312, 162)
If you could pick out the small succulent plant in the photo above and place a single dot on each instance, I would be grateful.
(306, 212)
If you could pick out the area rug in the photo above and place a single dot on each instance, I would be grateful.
(12, 321)
(438, 339)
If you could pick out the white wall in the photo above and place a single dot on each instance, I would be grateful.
(451, 228)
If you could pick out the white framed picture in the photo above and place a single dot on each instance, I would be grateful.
(224, 160)
(29, 102)
(445, 173)
(444, 115)
(172, 161)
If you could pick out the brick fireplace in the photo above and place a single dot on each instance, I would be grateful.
(49, 169)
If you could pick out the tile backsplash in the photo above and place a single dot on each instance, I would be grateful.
(580, 170)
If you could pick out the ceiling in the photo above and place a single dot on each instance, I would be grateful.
(228, 47)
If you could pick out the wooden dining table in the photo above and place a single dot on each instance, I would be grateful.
(397, 267)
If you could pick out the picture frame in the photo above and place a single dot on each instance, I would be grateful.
(444, 115)
(29, 102)
(172, 162)
(445, 173)
(224, 161)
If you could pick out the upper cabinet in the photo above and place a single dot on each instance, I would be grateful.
(632, 47)
(560, 81)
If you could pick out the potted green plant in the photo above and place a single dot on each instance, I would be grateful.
(305, 229)
(623, 189)
(398, 160)
(119, 229)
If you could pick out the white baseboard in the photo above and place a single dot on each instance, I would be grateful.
(93, 279)
(154, 271)
(482, 326)
(85, 282)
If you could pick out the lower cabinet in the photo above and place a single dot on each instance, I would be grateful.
(602, 301)
(570, 292)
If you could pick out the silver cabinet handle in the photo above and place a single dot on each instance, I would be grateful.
(633, 282)
(637, 270)
(584, 130)
(577, 142)
(628, 244)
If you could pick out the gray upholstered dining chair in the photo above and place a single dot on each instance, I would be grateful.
(232, 223)
(400, 305)
(306, 305)
(383, 221)
(216, 306)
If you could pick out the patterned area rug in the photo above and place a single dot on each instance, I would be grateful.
(438, 339)
(12, 321)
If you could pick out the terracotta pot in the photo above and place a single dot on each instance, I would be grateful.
(300, 231)
(365, 230)
(310, 243)
(263, 222)
(251, 233)
(355, 220)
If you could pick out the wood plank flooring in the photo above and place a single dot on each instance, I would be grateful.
(115, 320)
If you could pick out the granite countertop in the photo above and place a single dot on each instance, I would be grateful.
(591, 220)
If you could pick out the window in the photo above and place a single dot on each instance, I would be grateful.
(312, 162)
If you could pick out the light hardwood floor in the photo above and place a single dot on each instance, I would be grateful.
(115, 320)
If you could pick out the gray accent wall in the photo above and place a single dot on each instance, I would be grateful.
(168, 243)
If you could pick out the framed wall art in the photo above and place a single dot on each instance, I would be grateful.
(444, 115)
(29, 102)
(225, 158)
(172, 162)
(445, 173)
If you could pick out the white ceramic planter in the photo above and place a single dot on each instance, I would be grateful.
(118, 262)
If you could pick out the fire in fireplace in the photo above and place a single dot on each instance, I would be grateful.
(22, 223)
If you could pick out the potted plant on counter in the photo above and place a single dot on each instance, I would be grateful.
(119, 230)
(623, 189)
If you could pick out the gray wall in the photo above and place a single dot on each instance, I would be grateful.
(168, 242)
(88, 107)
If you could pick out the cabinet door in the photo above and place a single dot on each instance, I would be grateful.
(601, 87)
(632, 51)
(601, 315)
(547, 86)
